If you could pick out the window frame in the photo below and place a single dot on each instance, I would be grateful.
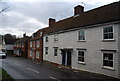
(37, 54)
(22, 44)
(108, 32)
(46, 52)
(108, 67)
(55, 52)
(56, 38)
(82, 36)
(30, 43)
(38, 43)
(46, 39)
(81, 62)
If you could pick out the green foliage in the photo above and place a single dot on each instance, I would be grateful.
(6, 76)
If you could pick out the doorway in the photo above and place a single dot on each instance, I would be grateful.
(66, 58)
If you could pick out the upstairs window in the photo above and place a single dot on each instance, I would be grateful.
(38, 43)
(55, 51)
(30, 43)
(46, 39)
(108, 32)
(81, 35)
(55, 38)
(22, 44)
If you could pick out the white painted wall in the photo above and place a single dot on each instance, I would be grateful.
(119, 49)
(93, 44)
(9, 47)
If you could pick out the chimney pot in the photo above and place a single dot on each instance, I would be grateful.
(78, 10)
(51, 21)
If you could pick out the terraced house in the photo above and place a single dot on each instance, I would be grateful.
(21, 46)
(35, 46)
(89, 40)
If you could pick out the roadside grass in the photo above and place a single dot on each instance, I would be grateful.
(5, 75)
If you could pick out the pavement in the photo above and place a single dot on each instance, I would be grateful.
(28, 70)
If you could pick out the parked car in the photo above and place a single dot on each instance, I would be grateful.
(2, 55)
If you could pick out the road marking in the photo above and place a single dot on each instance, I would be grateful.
(54, 78)
(8, 61)
(33, 70)
(18, 64)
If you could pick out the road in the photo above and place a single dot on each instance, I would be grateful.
(21, 68)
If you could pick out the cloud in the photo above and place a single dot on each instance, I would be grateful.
(30, 15)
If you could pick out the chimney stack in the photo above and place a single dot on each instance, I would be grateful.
(24, 35)
(51, 21)
(78, 10)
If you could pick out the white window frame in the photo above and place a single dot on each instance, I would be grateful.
(81, 62)
(55, 52)
(30, 53)
(38, 43)
(79, 35)
(30, 43)
(37, 54)
(108, 67)
(46, 51)
(22, 44)
(46, 39)
(103, 33)
(55, 38)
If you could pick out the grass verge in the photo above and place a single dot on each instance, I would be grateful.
(5, 75)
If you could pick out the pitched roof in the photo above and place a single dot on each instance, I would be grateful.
(103, 14)
(22, 40)
(37, 34)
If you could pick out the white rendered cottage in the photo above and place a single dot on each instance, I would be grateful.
(88, 41)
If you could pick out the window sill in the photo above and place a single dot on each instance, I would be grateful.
(108, 40)
(37, 57)
(81, 40)
(81, 63)
(109, 68)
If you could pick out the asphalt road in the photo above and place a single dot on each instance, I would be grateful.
(24, 69)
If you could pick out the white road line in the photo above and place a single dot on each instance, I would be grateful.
(33, 70)
(8, 61)
(54, 78)
(17, 64)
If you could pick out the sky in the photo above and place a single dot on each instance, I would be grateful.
(28, 16)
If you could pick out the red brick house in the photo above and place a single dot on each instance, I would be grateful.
(35, 46)
(21, 47)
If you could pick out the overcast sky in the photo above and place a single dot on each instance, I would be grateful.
(27, 16)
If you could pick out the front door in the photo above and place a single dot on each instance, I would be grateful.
(63, 57)
(66, 58)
